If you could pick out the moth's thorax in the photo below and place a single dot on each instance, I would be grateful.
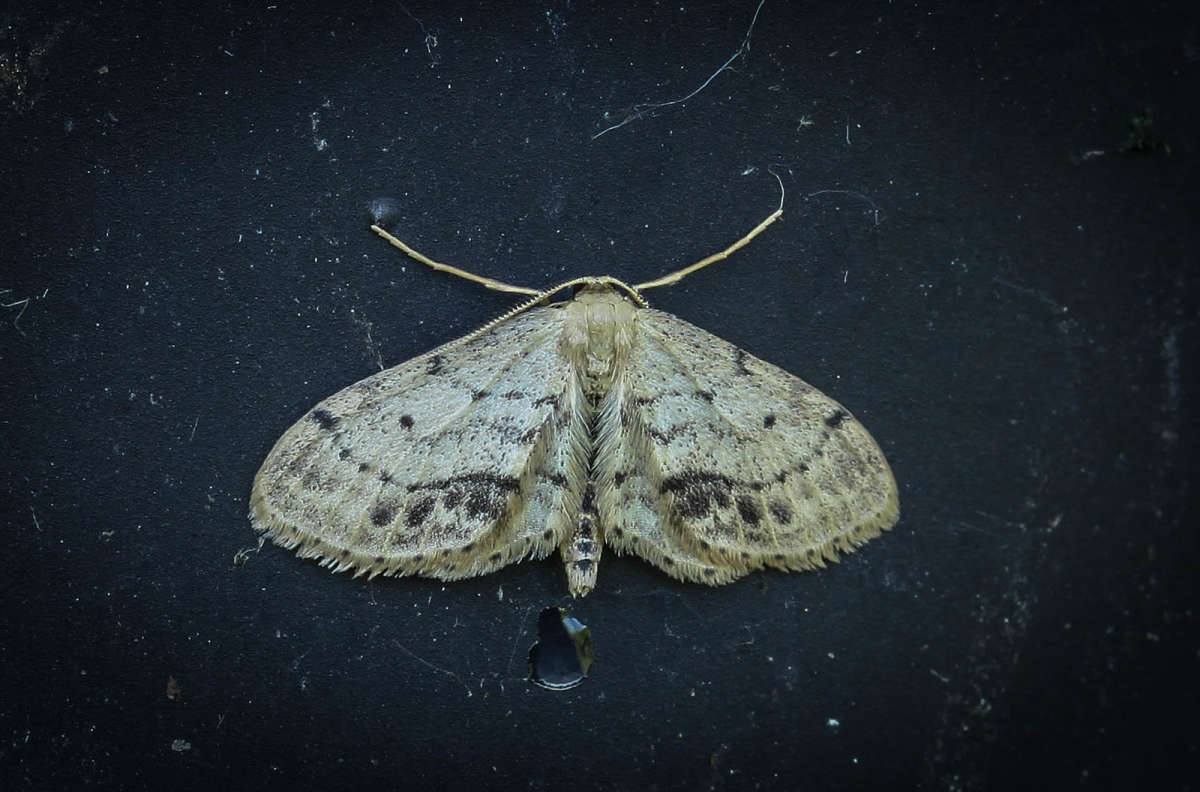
(598, 334)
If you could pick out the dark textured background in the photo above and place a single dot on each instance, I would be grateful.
(968, 259)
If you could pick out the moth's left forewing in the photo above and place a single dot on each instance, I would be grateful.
(748, 465)
(449, 465)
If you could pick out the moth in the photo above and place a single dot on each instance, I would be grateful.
(577, 425)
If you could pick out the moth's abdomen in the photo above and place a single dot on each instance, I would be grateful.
(581, 551)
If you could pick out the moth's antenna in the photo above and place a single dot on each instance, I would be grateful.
(675, 277)
(540, 295)
(421, 257)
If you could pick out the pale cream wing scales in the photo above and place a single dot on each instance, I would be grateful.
(449, 465)
(631, 506)
(746, 464)
(544, 517)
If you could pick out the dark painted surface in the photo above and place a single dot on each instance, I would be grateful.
(967, 259)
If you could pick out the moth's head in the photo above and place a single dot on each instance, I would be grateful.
(605, 288)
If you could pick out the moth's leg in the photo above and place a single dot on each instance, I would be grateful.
(678, 275)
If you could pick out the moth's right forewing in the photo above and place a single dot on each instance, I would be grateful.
(750, 466)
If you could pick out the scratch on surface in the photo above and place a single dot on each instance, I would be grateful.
(516, 639)
(431, 41)
(431, 666)
(23, 304)
(1172, 416)
(1037, 295)
(1170, 353)
(372, 344)
(640, 110)
(969, 722)
(318, 141)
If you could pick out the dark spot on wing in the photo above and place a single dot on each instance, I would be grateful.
(552, 400)
(695, 492)
(324, 419)
(692, 503)
(406, 421)
(619, 478)
(709, 572)
(383, 514)
(494, 557)
(668, 561)
(740, 361)
(558, 480)
(477, 395)
(418, 512)
(485, 502)
(835, 419)
(513, 394)
(768, 420)
(781, 512)
(344, 453)
(434, 365)
(503, 483)
(705, 395)
(661, 437)
(363, 467)
(757, 538)
(379, 559)
(547, 535)
(385, 477)
(483, 495)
